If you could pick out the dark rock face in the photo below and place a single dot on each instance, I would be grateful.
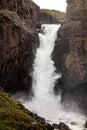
(63, 126)
(60, 126)
(55, 126)
(18, 42)
(26, 9)
(71, 51)
(86, 124)
(49, 127)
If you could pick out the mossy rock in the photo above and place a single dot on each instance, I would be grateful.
(55, 13)
(13, 115)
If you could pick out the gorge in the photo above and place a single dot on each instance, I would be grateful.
(19, 41)
(44, 102)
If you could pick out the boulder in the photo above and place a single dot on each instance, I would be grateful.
(55, 126)
(49, 126)
(63, 126)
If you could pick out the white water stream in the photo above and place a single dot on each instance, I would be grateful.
(45, 103)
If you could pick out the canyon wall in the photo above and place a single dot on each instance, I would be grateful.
(70, 53)
(19, 40)
(51, 16)
(18, 43)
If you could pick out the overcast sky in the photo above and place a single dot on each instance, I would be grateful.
(52, 4)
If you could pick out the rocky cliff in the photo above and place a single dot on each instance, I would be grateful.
(70, 52)
(51, 16)
(26, 9)
(18, 42)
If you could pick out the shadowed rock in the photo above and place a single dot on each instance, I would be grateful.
(63, 126)
(18, 43)
(86, 124)
(70, 53)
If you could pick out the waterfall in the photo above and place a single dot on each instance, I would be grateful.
(44, 102)
(44, 75)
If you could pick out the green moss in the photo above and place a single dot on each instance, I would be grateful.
(58, 14)
(13, 115)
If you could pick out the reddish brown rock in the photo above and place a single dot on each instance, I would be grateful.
(26, 9)
(18, 42)
(77, 9)
(70, 53)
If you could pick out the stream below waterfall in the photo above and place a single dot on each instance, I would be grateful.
(44, 102)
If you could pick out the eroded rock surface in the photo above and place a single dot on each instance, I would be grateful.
(18, 43)
(70, 53)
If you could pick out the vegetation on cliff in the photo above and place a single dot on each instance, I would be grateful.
(58, 15)
(13, 115)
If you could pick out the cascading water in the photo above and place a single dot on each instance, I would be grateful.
(44, 75)
(44, 102)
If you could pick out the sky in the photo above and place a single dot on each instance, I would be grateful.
(52, 4)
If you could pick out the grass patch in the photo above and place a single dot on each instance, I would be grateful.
(55, 13)
(14, 116)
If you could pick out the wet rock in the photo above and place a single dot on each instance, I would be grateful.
(38, 26)
(86, 124)
(73, 123)
(42, 120)
(49, 127)
(55, 126)
(63, 126)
